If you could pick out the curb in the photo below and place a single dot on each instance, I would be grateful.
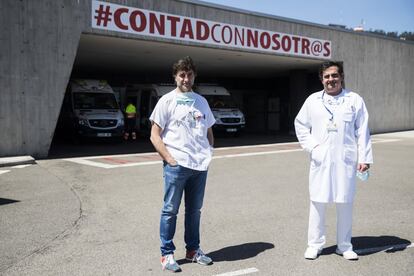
(17, 160)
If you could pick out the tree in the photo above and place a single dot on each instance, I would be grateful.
(407, 36)
(404, 35)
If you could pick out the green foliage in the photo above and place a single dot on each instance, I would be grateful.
(403, 36)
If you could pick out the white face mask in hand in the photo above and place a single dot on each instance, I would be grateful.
(363, 176)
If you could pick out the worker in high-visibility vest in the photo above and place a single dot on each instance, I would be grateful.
(130, 120)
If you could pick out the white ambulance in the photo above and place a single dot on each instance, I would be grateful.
(229, 118)
(90, 109)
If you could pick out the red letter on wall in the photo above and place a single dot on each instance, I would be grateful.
(142, 21)
(117, 18)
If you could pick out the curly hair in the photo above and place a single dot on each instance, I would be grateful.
(184, 64)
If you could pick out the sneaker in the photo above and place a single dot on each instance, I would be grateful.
(349, 255)
(312, 253)
(199, 257)
(168, 263)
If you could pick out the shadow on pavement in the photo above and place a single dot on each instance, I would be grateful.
(370, 245)
(240, 252)
(4, 201)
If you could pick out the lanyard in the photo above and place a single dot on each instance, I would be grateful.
(327, 109)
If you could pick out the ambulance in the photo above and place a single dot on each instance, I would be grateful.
(90, 109)
(229, 118)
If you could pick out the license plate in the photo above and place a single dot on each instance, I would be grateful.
(231, 129)
(104, 134)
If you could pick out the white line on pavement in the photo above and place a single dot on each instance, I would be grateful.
(239, 272)
(110, 156)
(88, 160)
(257, 146)
(377, 140)
(253, 153)
(4, 171)
(21, 166)
(108, 166)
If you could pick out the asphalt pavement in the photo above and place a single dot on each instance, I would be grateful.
(80, 216)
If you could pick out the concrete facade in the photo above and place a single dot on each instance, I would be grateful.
(40, 40)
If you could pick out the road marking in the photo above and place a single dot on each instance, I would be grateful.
(253, 153)
(4, 171)
(384, 248)
(119, 161)
(258, 146)
(89, 162)
(377, 140)
(21, 166)
(152, 158)
(116, 160)
(239, 272)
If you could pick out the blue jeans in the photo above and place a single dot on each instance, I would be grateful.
(179, 180)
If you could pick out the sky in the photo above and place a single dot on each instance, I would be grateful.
(386, 15)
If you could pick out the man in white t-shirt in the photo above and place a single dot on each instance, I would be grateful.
(182, 135)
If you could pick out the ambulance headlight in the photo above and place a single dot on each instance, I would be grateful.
(83, 122)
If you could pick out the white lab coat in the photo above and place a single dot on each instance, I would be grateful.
(334, 161)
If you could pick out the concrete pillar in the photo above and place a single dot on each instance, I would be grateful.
(37, 53)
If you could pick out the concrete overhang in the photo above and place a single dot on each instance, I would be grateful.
(117, 56)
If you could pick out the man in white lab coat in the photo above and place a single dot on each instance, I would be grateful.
(332, 126)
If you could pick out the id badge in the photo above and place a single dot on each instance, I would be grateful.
(331, 126)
